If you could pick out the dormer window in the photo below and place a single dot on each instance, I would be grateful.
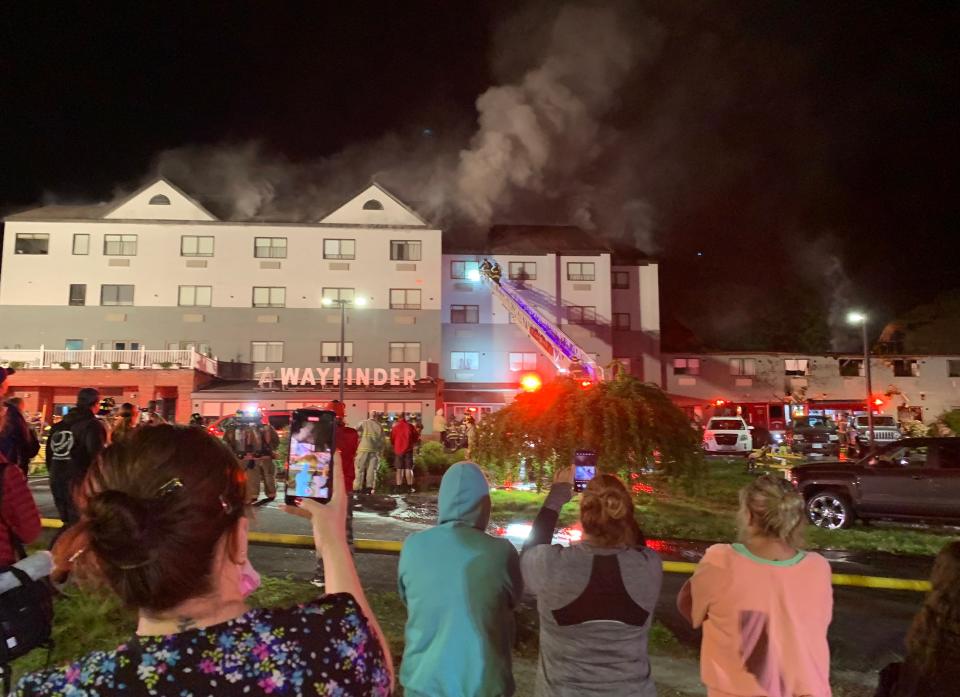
(373, 205)
(159, 200)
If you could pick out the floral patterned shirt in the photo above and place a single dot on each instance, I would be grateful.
(324, 647)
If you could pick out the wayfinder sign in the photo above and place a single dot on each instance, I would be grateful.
(324, 376)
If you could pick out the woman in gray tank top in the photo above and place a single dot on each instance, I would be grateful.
(596, 598)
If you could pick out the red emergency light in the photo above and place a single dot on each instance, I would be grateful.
(878, 402)
(586, 383)
(530, 382)
(719, 403)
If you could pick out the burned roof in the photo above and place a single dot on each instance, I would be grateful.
(524, 239)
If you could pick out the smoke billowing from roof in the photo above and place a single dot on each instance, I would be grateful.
(539, 139)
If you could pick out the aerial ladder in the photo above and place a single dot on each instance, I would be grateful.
(566, 356)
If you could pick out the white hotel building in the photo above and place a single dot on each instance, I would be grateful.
(154, 297)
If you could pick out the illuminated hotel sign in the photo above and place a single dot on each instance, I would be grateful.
(329, 376)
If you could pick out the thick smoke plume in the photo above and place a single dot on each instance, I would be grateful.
(533, 156)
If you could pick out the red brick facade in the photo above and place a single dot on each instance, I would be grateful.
(41, 389)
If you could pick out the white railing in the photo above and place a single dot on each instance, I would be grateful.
(552, 342)
(108, 359)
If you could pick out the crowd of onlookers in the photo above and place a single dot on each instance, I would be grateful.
(160, 515)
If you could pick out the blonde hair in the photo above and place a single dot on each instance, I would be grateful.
(774, 507)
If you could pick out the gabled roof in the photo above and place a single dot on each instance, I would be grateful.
(136, 206)
(362, 210)
(139, 205)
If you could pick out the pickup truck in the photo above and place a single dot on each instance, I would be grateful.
(813, 435)
(911, 479)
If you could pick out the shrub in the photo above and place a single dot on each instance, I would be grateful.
(66, 365)
(631, 425)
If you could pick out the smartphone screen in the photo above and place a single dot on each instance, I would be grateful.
(310, 456)
(584, 468)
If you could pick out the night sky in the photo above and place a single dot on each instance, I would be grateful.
(782, 159)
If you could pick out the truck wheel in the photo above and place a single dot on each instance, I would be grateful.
(830, 510)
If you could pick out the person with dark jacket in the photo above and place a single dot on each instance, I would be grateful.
(19, 517)
(932, 664)
(460, 586)
(18, 442)
(72, 446)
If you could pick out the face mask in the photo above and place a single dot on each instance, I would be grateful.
(249, 579)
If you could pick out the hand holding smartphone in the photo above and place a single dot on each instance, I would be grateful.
(310, 453)
(584, 468)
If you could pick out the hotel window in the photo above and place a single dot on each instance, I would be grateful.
(339, 249)
(266, 351)
(116, 295)
(198, 346)
(120, 245)
(196, 246)
(686, 366)
(743, 366)
(338, 294)
(74, 345)
(461, 269)
(330, 352)
(577, 314)
(464, 314)
(405, 250)
(270, 247)
(906, 368)
(404, 298)
(851, 367)
(119, 345)
(795, 367)
(159, 200)
(31, 243)
(953, 369)
(78, 294)
(523, 361)
(195, 296)
(522, 271)
(464, 360)
(269, 296)
(621, 321)
(404, 351)
(621, 280)
(581, 271)
(81, 243)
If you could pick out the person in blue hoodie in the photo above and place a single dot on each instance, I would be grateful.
(460, 586)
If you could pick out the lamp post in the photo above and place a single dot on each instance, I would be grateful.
(861, 319)
(343, 302)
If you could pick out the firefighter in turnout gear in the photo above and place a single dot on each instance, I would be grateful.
(255, 444)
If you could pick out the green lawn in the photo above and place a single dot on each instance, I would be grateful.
(672, 510)
(88, 621)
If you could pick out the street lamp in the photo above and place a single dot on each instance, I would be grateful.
(861, 319)
(343, 302)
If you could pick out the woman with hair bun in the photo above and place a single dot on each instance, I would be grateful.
(765, 604)
(596, 598)
(163, 524)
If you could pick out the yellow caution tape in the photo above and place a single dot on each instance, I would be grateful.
(672, 567)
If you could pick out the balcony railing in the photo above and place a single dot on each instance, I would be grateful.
(108, 359)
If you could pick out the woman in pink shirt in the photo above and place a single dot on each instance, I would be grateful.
(764, 604)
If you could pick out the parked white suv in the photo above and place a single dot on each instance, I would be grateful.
(727, 434)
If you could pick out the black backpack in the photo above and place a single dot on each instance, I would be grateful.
(26, 611)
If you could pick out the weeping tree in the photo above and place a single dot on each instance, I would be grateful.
(631, 425)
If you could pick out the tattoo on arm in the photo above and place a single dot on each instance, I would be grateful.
(185, 624)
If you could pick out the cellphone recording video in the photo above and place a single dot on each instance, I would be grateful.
(584, 468)
(309, 473)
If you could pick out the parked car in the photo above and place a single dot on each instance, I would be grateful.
(911, 479)
(727, 434)
(813, 435)
(885, 430)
